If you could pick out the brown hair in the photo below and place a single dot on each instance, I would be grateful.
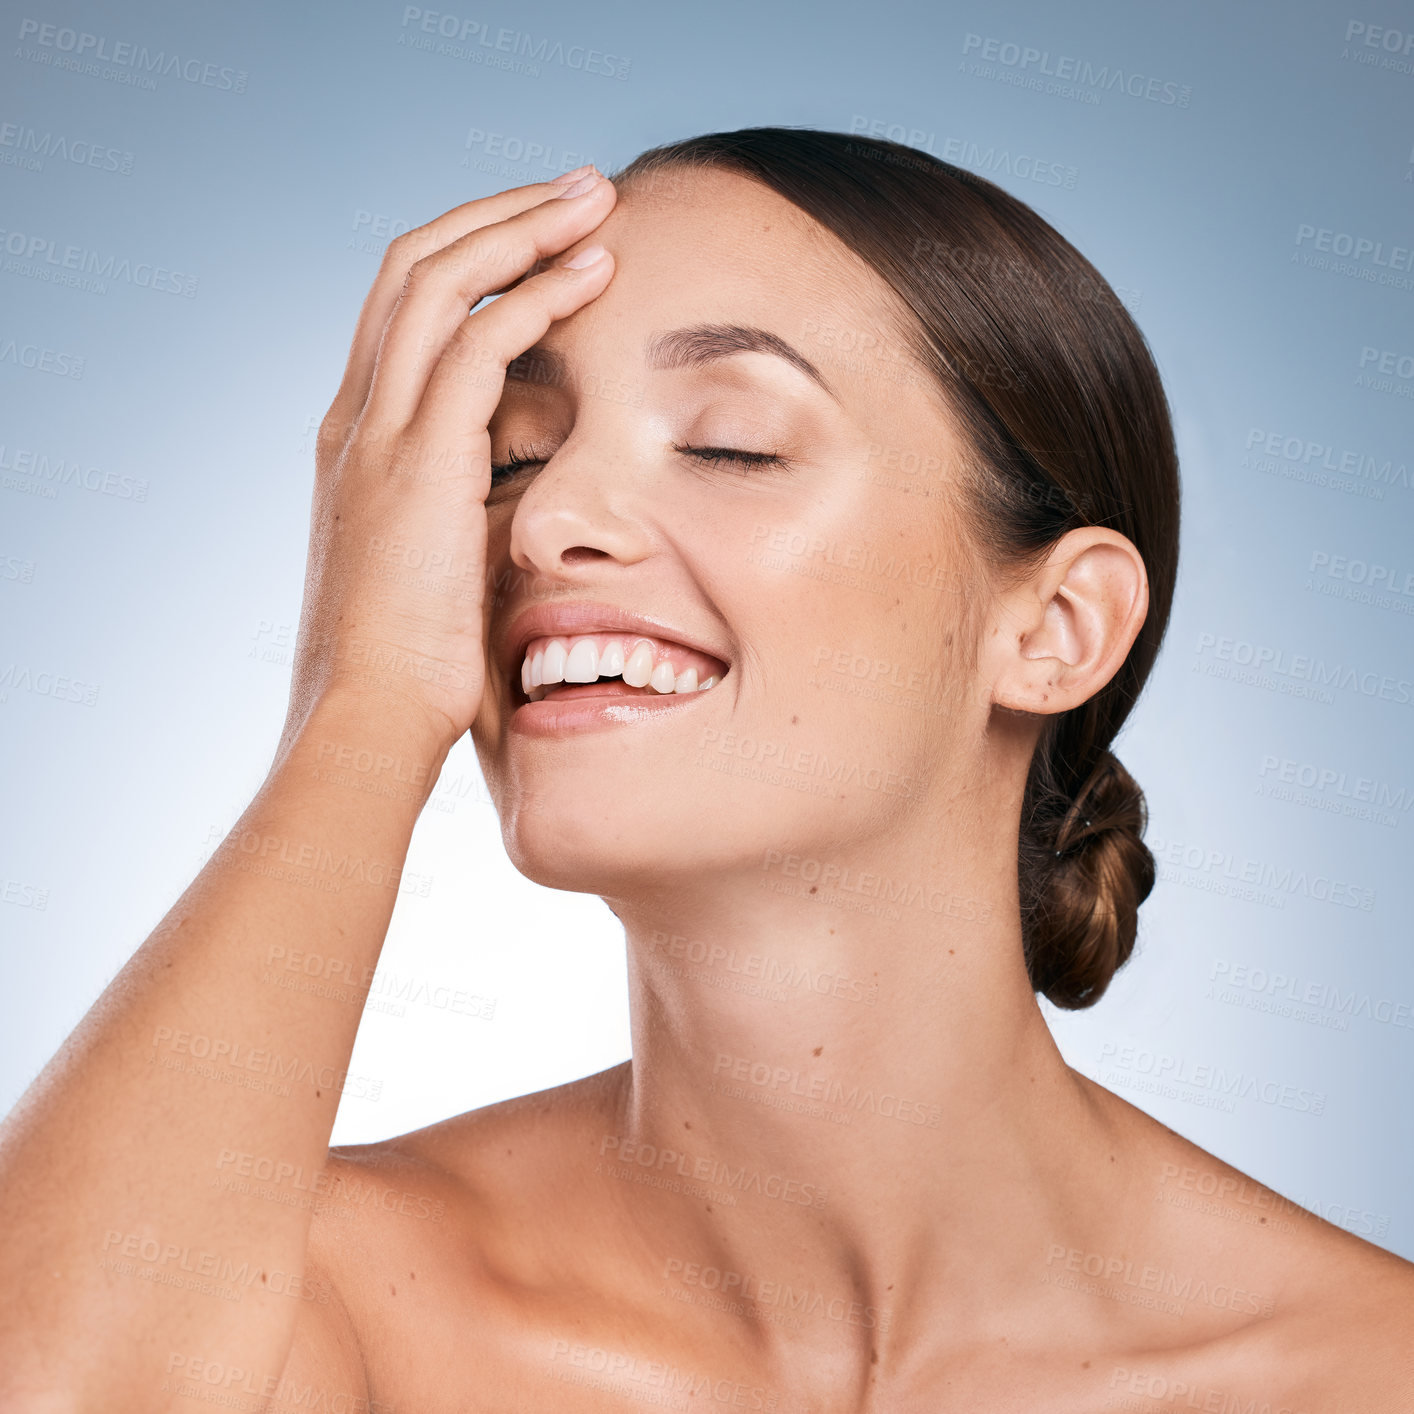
(1056, 391)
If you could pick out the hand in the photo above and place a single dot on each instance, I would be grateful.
(396, 579)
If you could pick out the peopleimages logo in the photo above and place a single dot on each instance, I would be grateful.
(1357, 247)
(1380, 46)
(1283, 993)
(476, 41)
(1264, 664)
(1165, 1072)
(1328, 780)
(122, 1251)
(782, 1080)
(779, 979)
(766, 1291)
(1309, 456)
(43, 258)
(338, 1187)
(1281, 879)
(1355, 256)
(66, 48)
(41, 359)
(29, 148)
(978, 157)
(1040, 64)
(627, 1376)
(704, 1169)
(216, 1382)
(844, 879)
(1126, 1272)
(21, 678)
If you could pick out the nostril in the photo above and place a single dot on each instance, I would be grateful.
(581, 554)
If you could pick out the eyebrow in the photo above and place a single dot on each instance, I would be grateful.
(693, 346)
(701, 344)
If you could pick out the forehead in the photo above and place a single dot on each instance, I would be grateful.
(709, 246)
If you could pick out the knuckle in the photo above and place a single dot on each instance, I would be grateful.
(334, 430)
(418, 273)
(332, 441)
(444, 268)
(551, 293)
(561, 277)
(367, 444)
(470, 348)
(506, 248)
(402, 459)
(409, 246)
(395, 258)
(504, 253)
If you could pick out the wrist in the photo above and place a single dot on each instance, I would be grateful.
(379, 749)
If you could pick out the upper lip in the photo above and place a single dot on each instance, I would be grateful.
(564, 620)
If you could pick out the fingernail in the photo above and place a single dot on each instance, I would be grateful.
(581, 186)
(587, 256)
(565, 178)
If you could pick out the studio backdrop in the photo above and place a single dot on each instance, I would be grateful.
(195, 201)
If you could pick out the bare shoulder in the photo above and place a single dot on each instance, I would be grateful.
(421, 1230)
(1343, 1341)
(1350, 1319)
(447, 1174)
(397, 1228)
(482, 1223)
(1330, 1315)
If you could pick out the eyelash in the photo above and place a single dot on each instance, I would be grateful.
(712, 456)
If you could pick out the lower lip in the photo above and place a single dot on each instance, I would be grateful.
(590, 708)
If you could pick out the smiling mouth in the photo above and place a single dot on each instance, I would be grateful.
(614, 665)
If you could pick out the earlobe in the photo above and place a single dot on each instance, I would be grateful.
(1072, 623)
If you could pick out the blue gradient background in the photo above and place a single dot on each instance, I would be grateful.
(180, 607)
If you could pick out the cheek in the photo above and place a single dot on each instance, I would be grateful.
(856, 614)
(858, 573)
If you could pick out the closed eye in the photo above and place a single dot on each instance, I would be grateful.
(711, 456)
(511, 466)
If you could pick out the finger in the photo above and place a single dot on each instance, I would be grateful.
(402, 252)
(441, 288)
(469, 378)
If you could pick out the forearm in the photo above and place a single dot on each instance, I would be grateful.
(118, 1158)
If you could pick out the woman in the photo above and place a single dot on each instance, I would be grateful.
(794, 534)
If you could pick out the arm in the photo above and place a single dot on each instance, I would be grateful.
(127, 1253)
(117, 1159)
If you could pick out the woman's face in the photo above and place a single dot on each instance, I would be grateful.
(828, 583)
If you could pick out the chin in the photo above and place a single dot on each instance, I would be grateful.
(582, 842)
(637, 838)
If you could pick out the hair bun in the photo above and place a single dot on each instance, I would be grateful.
(1084, 871)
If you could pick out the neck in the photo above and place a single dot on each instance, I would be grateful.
(861, 1097)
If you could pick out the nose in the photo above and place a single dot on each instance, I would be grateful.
(579, 510)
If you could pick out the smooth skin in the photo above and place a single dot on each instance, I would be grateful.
(542, 1253)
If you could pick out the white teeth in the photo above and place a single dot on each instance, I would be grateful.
(611, 660)
(583, 664)
(579, 660)
(554, 670)
(639, 667)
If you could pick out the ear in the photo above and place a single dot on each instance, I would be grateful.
(1061, 634)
